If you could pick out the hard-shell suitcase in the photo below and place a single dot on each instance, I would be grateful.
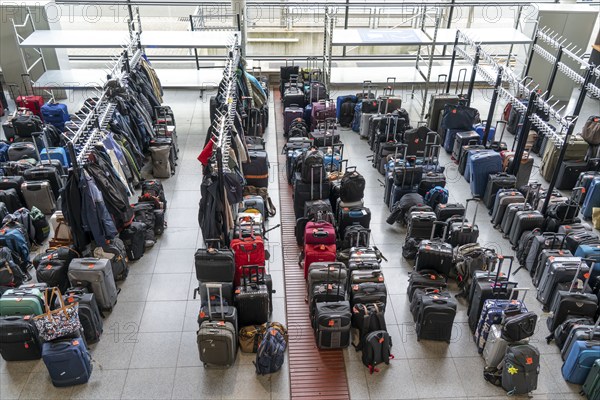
(503, 199)
(420, 224)
(445, 211)
(568, 174)
(55, 153)
(495, 183)
(19, 339)
(521, 369)
(217, 337)
(435, 317)
(68, 362)
(48, 173)
(540, 243)
(548, 256)
(580, 360)
(98, 276)
(332, 324)
(591, 386)
(466, 153)
(289, 114)
(349, 216)
(22, 150)
(509, 215)
(22, 301)
(214, 264)
(559, 272)
(524, 221)
(435, 254)
(39, 194)
(483, 165)
(589, 333)
(462, 139)
(592, 199)
(252, 298)
(460, 233)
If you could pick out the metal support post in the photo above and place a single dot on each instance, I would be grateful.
(347, 10)
(452, 62)
(473, 75)
(561, 157)
(553, 73)
(531, 108)
(488, 122)
(589, 74)
(531, 53)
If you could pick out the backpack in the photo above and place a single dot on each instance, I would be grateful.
(4, 151)
(155, 189)
(271, 351)
(144, 213)
(377, 349)
(435, 196)
(472, 257)
(352, 186)
(116, 253)
(14, 236)
(298, 128)
(313, 166)
(40, 224)
(347, 113)
(23, 217)
(10, 274)
(368, 318)
(402, 206)
(410, 248)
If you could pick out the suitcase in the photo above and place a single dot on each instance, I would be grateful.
(256, 170)
(585, 180)
(562, 332)
(495, 312)
(569, 303)
(68, 362)
(39, 194)
(352, 216)
(435, 317)
(592, 199)
(557, 272)
(13, 182)
(320, 232)
(89, 313)
(463, 139)
(591, 252)
(25, 125)
(291, 113)
(54, 272)
(544, 259)
(46, 173)
(98, 276)
(430, 180)
(304, 192)
(542, 242)
(524, 221)
(580, 332)
(591, 386)
(326, 272)
(495, 183)
(460, 233)
(445, 211)
(247, 251)
(568, 174)
(293, 95)
(437, 103)
(435, 254)
(252, 298)
(468, 151)
(217, 307)
(217, 338)
(368, 292)
(509, 216)
(55, 153)
(22, 150)
(496, 286)
(226, 292)
(134, 241)
(22, 301)
(11, 199)
(503, 199)
(322, 111)
(521, 369)
(318, 253)
(483, 165)
(19, 339)
(495, 347)
(325, 135)
(332, 325)
(573, 241)
(580, 359)
(420, 224)
(576, 150)
(425, 279)
(55, 114)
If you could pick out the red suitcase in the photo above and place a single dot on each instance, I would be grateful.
(31, 102)
(318, 253)
(247, 251)
(320, 232)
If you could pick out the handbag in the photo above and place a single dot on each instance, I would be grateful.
(251, 336)
(457, 116)
(63, 321)
(591, 130)
(62, 236)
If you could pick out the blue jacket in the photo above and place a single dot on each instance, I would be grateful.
(94, 214)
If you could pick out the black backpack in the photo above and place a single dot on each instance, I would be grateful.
(352, 186)
(347, 113)
(298, 128)
(368, 318)
(155, 189)
(377, 349)
(313, 166)
(144, 212)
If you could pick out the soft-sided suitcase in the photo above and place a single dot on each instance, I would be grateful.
(524, 221)
(435, 254)
(19, 339)
(13, 182)
(248, 250)
(576, 150)
(39, 194)
(463, 139)
(293, 95)
(580, 360)
(368, 292)
(483, 165)
(22, 150)
(435, 317)
(503, 199)
(217, 337)
(558, 272)
(332, 324)
(289, 114)
(54, 273)
(256, 170)
(521, 369)
(322, 111)
(252, 298)
(68, 362)
(56, 114)
(216, 305)
(320, 232)
(495, 183)
(463, 232)
(349, 216)
(591, 386)
(89, 313)
(318, 253)
(98, 276)
(425, 279)
(133, 238)
(445, 211)
(214, 264)
(569, 303)
(420, 224)
(22, 301)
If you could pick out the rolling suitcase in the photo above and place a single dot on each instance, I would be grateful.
(256, 170)
(503, 199)
(435, 254)
(98, 276)
(55, 153)
(217, 339)
(22, 301)
(214, 264)
(580, 359)
(445, 211)
(134, 241)
(325, 273)
(89, 313)
(333, 321)
(320, 232)
(509, 215)
(430, 180)
(322, 111)
(468, 151)
(56, 114)
(368, 292)
(577, 333)
(568, 174)
(521, 369)
(460, 233)
(19, 339)
(46, 172)
(252, 298)
(293, 95)
(544, 259)
(557, 272)
(22, 150)
(495, 347)
(591, 386)
(483, 165)
(425, 279)
(318, 253)
(524, 221)
(217, 307)
(53, 272)
(495, 183)
(539, 243)
(463, 139)
(68, 362)
(435, 317)
(39, 194)
(420, 224)
(349, 216)
(290, 114)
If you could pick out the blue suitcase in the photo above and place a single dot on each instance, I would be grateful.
(68, 362)
(591, 252)
(470, 154)
(357, 116)
(480, 129)
(308, 114)
(55, 114)
(482, 166)
(341, 100)
(493, 313)
(592, 199)
(450, 139)
(580, 360)
(55, 153)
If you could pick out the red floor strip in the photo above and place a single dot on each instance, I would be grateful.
(313, 373)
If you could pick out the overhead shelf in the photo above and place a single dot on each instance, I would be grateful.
(115, 39)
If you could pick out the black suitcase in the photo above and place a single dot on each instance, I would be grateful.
(252, 298)
(445, 211)
(304, 192)
(13, 182)
(562, 331)
(54, 273)
(133, 238)
(420, 224)
(214, 264)
(368, 292)
(495, 183)
(509, 216)
(468, 138)
(435, 254)
(256, 170)
(293, 95)
(435, 316)
(568, 174)
(524, 221)
(332, 322)
(11, 199)
(22, 150)
(19, 339)
(425, 279)
(349, 216)
(503, 199)
(460, 233)
(89, 313)
(543, 264)
(559, 272)
(539, 243)
(46, 173)
(430, 180)
(215, 309)
(497, 286)
(572, 242)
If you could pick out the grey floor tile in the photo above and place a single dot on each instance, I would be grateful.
(179, 238)
(103, 385)
(393, 381)
(156, 349)
(188, 351)
(11, 385)
(169, 287)
(39, 386)
(436, 378)
(357, 381)
(125, 316)
(278, 284)
(156, 383)
(461, 343)
(184, 199)
(115, 351)
(175, 262)
(280, 383)
(197, 383)
(401, 308)
(163, 316)
(144, 265)
(470, 371)
(190, 322)
(183, 217)
(241, 382)
(134, 288)
(424, 349)
(17, 367)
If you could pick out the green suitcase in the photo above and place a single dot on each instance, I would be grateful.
(576, 150)
(591, 387)
(22, 301)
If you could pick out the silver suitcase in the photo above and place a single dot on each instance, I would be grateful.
(39, 194)
(364, 124)
(495, 347)
(97, 274)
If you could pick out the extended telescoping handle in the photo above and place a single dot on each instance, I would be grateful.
(576, 196)
(331, 267)
(587, 276)
(37, 150)
(515, 291)
(438, 223)
(464, 220)
(218, 286)
(500, 124)
(501, 259)
(260, 278)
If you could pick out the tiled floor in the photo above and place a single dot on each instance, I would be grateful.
(149, 351)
